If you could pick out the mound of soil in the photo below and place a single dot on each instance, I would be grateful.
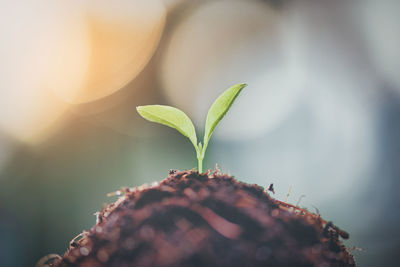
(210, 219)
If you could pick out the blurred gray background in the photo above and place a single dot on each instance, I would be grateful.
(321, 112)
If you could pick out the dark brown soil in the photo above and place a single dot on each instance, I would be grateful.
(193, 219)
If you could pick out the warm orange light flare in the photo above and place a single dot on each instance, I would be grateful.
(56, 53)
(123, 35)
(43, 46)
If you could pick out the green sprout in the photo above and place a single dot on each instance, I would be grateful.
(177, 119)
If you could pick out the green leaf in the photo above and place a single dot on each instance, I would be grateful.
(171, 117)
(178, 120)
(219, 108)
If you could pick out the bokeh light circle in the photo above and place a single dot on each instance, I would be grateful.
(44, 46)
(221, 43)
(123, 35)
(380, 26)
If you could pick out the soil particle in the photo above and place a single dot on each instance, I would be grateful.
(210, 219)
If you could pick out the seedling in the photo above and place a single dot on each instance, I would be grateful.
(177, 119)
(223, 210)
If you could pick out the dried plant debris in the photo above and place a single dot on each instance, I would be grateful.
(209, 219)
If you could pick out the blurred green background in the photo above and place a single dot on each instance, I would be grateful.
(321, 112)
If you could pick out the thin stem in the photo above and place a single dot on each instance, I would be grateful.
(200, 160)
(200, 156)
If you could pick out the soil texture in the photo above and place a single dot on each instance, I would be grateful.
(209, 219)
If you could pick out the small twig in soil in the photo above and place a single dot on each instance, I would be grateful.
(288, 193)
(97, 214)
(300, 198)
(357, 248)
(74, 242)
(217, 168)
(43, 262)
(316, 210)
(122, 191)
